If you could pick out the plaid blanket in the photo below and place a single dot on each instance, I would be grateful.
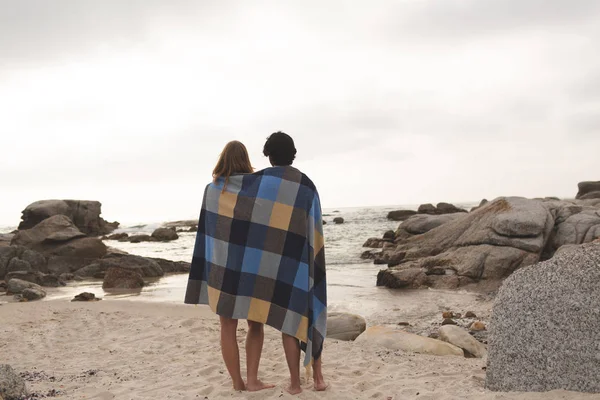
(259, 254)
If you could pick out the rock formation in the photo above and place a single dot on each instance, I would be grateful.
(588, 190)
(84, 214)
(546, 326)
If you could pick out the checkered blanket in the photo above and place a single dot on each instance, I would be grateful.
(259, 254)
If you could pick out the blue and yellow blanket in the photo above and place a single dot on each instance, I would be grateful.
(259, 254)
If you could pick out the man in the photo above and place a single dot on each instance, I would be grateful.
(281, 151)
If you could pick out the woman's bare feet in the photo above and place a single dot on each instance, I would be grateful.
(294, 389)
(258, 385)
(239, 386)
(320, 384)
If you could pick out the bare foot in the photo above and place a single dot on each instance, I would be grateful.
(258, 385)
(293, 389)
(239, 386)
(320, 384)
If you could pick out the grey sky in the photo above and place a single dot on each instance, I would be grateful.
(405, 102)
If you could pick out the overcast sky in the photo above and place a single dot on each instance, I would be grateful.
(390, 102)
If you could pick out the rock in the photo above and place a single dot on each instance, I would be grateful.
(470, 314)
(165, 234)
(376, 243)
(420, 224)
(368, 255)
(32, 294)
(481, 204)
(183, 223)
(139, 239)
(403, 323)
(84, 214)
(117, 236)
(449, 321)
(447, 314)
(586, 188)
(338, 220)
(18, 265)
(195, 228)
(401, 215)
(17, 286)
(389, 235)
(477, 326)
(461, 338)
(146, 267)
(169, 266)
(66, 276)
(427, 209)
(86, 296)
(58, 236)
(545, 324)
(2, 286)
(447, 208)
(122, 278)
(12, 386)
(401, 340)
(575, 224)
(487, 244)
(345, 326)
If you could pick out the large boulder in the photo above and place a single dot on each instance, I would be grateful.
(122, 278)
(461, 338)
(588, 190)
(447, 208)
(12, 386)
(546, 326)
(165, 234)
(58, 236)
(16, 286)
(84, 214)
(400, 340)
(486, 244)
(146, 267)
(401, 215)
(345, 326)
(47, 280)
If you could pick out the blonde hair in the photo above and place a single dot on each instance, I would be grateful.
(233, 160)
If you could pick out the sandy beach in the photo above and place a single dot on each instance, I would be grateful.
(137, 350)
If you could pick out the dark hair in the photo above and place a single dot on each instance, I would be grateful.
(280, 149)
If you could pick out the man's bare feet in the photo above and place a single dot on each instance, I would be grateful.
(320, 384)
(258, 385)
(293, 389)
(239, 386)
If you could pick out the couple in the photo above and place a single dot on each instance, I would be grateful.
(259, 255)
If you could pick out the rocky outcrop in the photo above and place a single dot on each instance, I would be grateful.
(165, 234)
(588, 190)
(32, 294)
(338, 220)
(122, 278)
(84, 214)
(487, 244)
(172, 266)
(12, 386)
(6, 238)
(116, 236)
(546, 324)
(58, 236)
(425, 209)
(86, 296)
(420, 224)
(461, 338)
(39, 278)
(400, 340)
(345, 326)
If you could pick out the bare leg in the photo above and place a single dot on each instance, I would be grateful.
(231, 352)
(320, 384)
(292, 355)
(254, 345)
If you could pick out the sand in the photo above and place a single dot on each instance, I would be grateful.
(136, 350)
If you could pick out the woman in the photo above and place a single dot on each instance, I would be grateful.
(234, 160)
